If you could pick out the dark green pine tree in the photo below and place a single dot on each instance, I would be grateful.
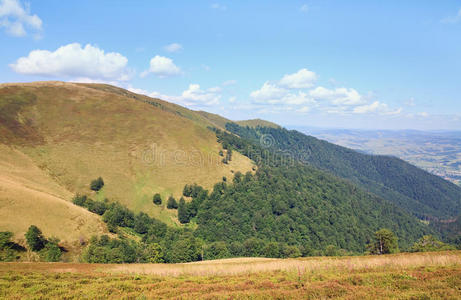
(183, 214)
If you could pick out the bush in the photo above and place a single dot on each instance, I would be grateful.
(97, 184)
(172, 204)
(51, 252)
(430, 243)
(80, 200)
(35, 240)
(157, 199)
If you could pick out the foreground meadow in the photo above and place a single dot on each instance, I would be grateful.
(402, 276)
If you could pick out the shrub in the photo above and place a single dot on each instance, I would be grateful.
(157, 199)
(80, 200)
(172, 204)
(430, 243)
(97, 184)
(51, 252)
(35, 239)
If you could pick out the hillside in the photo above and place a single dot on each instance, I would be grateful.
(257, 122)
(417, 191)
(56, 137)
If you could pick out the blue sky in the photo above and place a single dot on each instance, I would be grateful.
(343, 64)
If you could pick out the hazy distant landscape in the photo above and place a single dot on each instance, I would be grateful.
(437, 152)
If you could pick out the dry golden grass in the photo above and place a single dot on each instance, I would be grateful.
(28, 196)
(236, 266)
(403, 276)
(87, 131)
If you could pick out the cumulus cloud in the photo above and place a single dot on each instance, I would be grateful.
(74, 61)
(174, 47)
(162, 67)
(14, 18)
(299, 80)
(194, 96)
(269, 92)
(376, 107)
(454, 19)
(272, 94)
(338, 96)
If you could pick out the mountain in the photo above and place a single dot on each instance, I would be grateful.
(423, 194)
(257, 122)
(56, 137)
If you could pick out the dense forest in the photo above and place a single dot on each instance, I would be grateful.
(422, 194)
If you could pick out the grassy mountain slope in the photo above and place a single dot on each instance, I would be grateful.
(217, 120)
(257, 122)
(72, 133)
(29, 196)
(419, 192)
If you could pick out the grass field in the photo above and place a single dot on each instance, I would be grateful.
(401, 276)
(56, 137)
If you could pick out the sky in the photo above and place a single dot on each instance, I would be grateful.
(330, 64)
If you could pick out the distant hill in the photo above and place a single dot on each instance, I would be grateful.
(417, 191)
(257, 122)
(220, 122)
(56, 137)
(217, 120)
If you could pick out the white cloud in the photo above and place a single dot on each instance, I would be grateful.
(162, 67)
(174, 47)
(299, 80)
(74, 61)
(218, 6)
(14, 17)
(196, 96)
(271, 94)
(454, 19)
(376, 107)
(296, 99)
(338, 96)
(268, 91)
(304, 8)
(232, 99)
(193, 96)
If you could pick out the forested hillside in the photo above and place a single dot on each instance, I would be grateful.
(295, 204)
(419, 192)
